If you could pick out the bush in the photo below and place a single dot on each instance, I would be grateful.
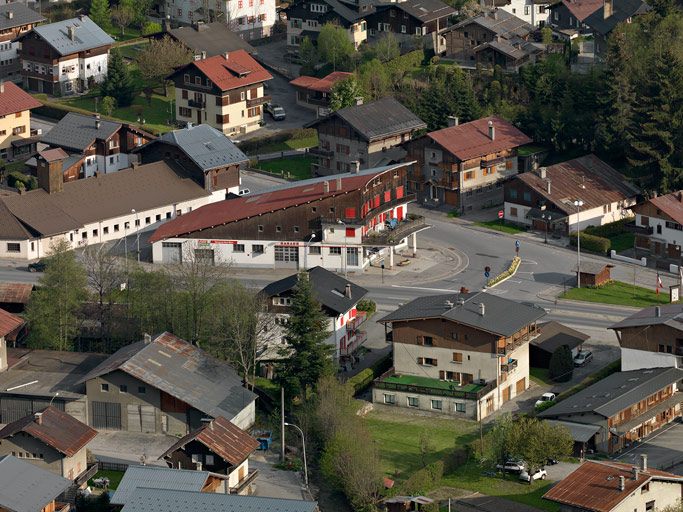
(19, 180)
(424, 479)
(150, 28)
(506, 273)
(361, 380)
(592, 243)
(608, 230)
(543, 406)
(561, 364)
(367, 305)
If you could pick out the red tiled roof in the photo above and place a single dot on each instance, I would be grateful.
(57, 429)
(13, 99)
(671, 204)
(244, 207)
(15, 293)
(581, 9)
(9, 323)
(226, 440)
(324, 84)
(595, 485)
(238, 70)
(471, 140)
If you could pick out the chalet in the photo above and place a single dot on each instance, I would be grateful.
(534, 12)
(209, 39)
(225, 92)
(658, 226)
(65, 57)
(544, 199)
(28, 488)
(568, 16)
(305, 18)
(458, 354)
(465, 164)
(340, 223)
(364, 136)
(12, 328)
(606, 17)
(15, 19)
(314, 93)
(15, 121)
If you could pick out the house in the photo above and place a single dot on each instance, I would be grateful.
(341, 224)
(534, 12)
(651, 338)
(305, 18)
(95, 210)
(314, 93)
(365, 135)
(567, 16)
(465, 165)
(15, 120)
(220, 447)
(594, 274)
(15, 296)
(606, 17)
(28, 488)
(458, 354)
(658, 226)
(165, 385)
(52, 440)
(15, 19)
(620, 409)
(544, 199)
(203, 152)
(553, 335)
(610, 486)
(94, 145)
(209, 39)
(225, 91)
(406, 503)
(65, 57)
(159, 478)
(153, 500)
(338, 298)
(12, 328)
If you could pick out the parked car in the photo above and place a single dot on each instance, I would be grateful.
(539, 474)
(512, 466)
(551, 462)
(244, 191)
(37, 266)
(583, 357)
(545, 398)
(276, 111)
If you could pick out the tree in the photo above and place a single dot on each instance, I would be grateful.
(159, 58)
(108, 105)
(334, 46)
(138, 10)
(561, 366)
(53, 311)
(118, 84)
(344, 94)
(99, 13)
(307, 355)
(149, 28)
(122, 16)
(546, 35)
(308, 55)
(386, 48)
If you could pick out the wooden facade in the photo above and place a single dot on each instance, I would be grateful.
(661, 338)
(396, 20)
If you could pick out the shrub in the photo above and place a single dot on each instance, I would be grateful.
(367, 305)
(592, 243)
(608, 230)
(543, 406)
(361, 380)
(150, 28)
(424, 479)
(506, 273)
(19, 180)
(561, 364)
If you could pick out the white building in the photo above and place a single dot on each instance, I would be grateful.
(534, 12)
(659, 226)
(15, 19)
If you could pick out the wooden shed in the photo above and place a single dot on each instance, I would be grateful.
(594, 274)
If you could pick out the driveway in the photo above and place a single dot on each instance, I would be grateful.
(275, 483)
(664, 449)
(130, 447)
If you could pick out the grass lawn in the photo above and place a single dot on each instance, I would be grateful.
(303, 142)
(113, 476)
(130, 51)
(297, 167)
(130, 33)
(618, 293)
(622, 241)
(496, 225)
(530, 149)
(426, 382)
(268, 387)
(540, 375)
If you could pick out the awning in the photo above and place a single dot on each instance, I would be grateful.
(581, 432)
(649, 414)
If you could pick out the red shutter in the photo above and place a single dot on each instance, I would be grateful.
(387, 196)
(351, 232)
(350, 213)
(399, 192)
(399, 213)
(376, 205)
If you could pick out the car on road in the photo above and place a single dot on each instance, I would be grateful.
(37, 266)
(277, 112)
(539, 474)
(512, 466)
(244, 191)
(545, 398)
(583, 357)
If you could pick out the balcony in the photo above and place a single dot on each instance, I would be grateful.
(509, 366)
(356, 322)
(196, 103)
(435, 387)
(491, 162)
(245, 482)
(87, 474)
(326, 153)
(638, 230)
(254, 102)
(412, 224)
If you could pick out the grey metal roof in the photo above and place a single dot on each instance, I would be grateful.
(554, 335)
(157, 477)
(213, 38)
(666, 314)
(592, 267)
(206, 146)
(77, 132)
(154, 500)
(581, 432)
(501, 316)
(20, 15)
(499, 22)
(615, 392)
(24, 487)
(423, 10)
(327, 286)
(87, 35)
(184, 371)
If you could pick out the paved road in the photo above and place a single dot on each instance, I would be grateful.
(257, 183)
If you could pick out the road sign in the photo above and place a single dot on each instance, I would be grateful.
(517, 243)
(487, 274)
(501, 214)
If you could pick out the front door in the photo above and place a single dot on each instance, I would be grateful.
(521, 385)
(199, 117)
(506, 394)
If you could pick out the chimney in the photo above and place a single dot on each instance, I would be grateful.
(97, 122)
(147, 338)
(658, 311)
(2, 87)
(622, 483)
(201, 26)
(542, 172)
(50, 175)
(72, 32)
(39, 418)
(643, 461)
(492, 131)
(10, 15)
(226, 55)
(453, 121)
(339, 184)
(635, 472)
(347, 291)
(679, 196)
(359, 100)
(203, 54)
(547, 187)
(482, 309)
(326, 187)
(608, 8)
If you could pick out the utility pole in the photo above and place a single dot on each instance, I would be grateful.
(282, 424)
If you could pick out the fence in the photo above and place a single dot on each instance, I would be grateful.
(112, 466)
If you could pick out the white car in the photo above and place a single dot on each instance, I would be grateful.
(244, 191)
(540, 474)
(545, 398)
(512, 466)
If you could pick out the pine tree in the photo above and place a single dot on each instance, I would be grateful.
(100, 14)
(118, 83)
(561, 367)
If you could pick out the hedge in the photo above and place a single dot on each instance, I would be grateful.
(592, 243)
(506, 273)
(16, 177)
(361, 380)
(609, 230)
(367, 305)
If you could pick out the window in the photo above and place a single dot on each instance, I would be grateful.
(123, 388)
(645, 488)
(389, 399)
(413, 401)
(661, 347)
(18, 130)
(257, 249)
(513, 212)
(278, 229)
(296, 229)
(158, 217)
(426, 361)
(137, 223)
(606, 208)
(238, 248)
(427, 341)
(184, 112)
(242, 95)
(526, 10)
(116, 228)
(282, 301)
(403, 29)
(650, 505)
(254, 112)
(350, 232)
(335, 250)
(489, 170)
(513, 193)
(314, 249)
(13, 247)
(148, 220)
(644, 221)
(105, 229)
(84, 235)
(437, 405)
(142, 390)
(469, 175)
(460, 407)
(286, 254)
(457, 357)
(104, 388)
(527, 195)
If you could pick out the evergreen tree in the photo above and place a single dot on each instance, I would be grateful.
(118, 83)
(561, 366)
(100, 14)
(307, 356)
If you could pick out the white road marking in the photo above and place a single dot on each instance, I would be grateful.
(530, 262)
(418, 288)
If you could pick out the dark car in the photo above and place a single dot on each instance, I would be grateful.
(37, 266)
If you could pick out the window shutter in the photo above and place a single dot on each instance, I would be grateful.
(420, 360)
(435, 362)
(442, 374)
(420, 340)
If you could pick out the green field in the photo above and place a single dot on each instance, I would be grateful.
(411, 380)
(540, 375)
(113, 476)
(619, 293)
(298, 168)
(497, 225)
(294, 143)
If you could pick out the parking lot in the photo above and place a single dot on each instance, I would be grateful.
(664, 449)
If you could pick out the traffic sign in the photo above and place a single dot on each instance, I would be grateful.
(517, 243)
(501, 214)
(487, 274)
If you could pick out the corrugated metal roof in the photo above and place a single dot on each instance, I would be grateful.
(9, 323)
(24, 487)
(423, 10)
(667, 314)
(20, 15)
(157, 477)
(87, 35)
(581, 9)
(622, 10)
(206, 146)
(581, 432)
(500, 22)
(15, 293)
(213, 38)
(554, 335)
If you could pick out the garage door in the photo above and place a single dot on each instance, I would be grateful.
(106, 415)
(506, 394)
(141, 418)
(171, 252)
(521, 385)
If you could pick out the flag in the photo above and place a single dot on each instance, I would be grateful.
(659, 283)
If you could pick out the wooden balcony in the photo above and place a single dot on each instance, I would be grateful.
(87, 474)
(245, 482)
(254, 102)
(196, 103)
(509, 366)
(412, 224)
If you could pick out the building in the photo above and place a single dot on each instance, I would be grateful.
(610, 14)
(338, 298)
(220, 447)
(28, 488)
(202, 152)
(534, 12)
(52, 440)
(210, 39)
(12, 328)
(567, 17)
(94, 145)
(458, 354)
(15, 19)
(15, 119)
(15, 296)
(314, 93)
(651, 338)
(620, 409)
(544, 199)
(225, 91)
(593, 273)
(356, 219)
(65, 57)
(159, 478)
(365, 135)
(305, 18)
(104, 208)
(553, 335)
(658, 226)
(609, 486)
(465, 165)
(133, 390)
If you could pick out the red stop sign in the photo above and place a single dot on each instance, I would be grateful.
(501, 214)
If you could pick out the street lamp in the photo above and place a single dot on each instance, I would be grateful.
(578, 203)
(303, 444)
(137, 232)
(346, 248)
(306, 248)
(546, 218)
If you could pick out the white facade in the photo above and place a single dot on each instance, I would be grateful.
(662, 230)
(659, 495)
(246, 418)
(533, 13)
(8, 56)
(73, 74)
(634, 359)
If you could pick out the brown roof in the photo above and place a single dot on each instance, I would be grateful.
(471, 140)
(238, 70)
(595, 485)
(9, 323)
(13, 99)
(10, 227)
(226, 440)
(55, 428)
(671, 204)
(15, 293)
(586, 178)
(51, 155)
(581, 9)
(324, 84)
